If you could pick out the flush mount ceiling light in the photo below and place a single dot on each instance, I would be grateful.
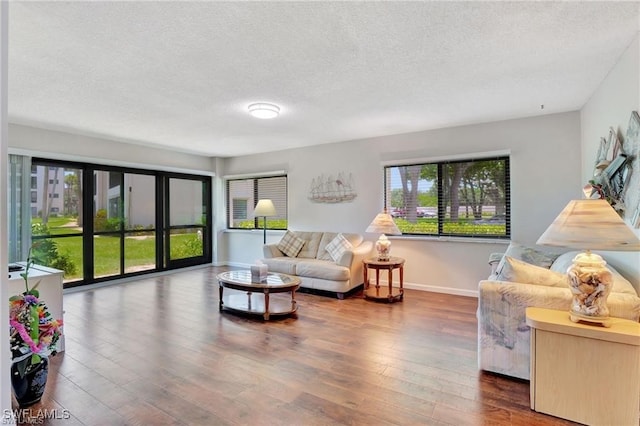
(264, 110)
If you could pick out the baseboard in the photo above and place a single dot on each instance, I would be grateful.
(133, 278)
(437, 289)
(234, 264)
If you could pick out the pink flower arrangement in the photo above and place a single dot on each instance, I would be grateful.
(33, 331)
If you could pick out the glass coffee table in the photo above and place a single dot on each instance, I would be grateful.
(257, 300)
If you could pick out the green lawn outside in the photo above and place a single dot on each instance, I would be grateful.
(271, 224)
(140, 250)
(59, 225)
(421, 226)
(462, 227)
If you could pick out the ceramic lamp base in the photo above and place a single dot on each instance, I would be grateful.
(576, 317)
(590, 283)
(383, 247)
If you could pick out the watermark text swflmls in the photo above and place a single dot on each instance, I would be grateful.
(35, 416)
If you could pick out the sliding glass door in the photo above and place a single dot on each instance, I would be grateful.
(139, 212)
(57, 226)
(187, 220)
(124, 223)
(99, 223)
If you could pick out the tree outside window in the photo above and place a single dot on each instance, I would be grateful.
(468, 198)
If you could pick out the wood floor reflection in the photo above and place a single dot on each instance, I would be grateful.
(158, 352)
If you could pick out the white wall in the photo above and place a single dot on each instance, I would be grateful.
(68, 146)
(545, 175)
(5, 354)
(610, 106)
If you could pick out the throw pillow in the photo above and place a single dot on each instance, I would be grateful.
(290, 244)
(527, 254)
(515, 270)
(337, 247)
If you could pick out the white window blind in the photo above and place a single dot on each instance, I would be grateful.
(466, 198)
(243, 195)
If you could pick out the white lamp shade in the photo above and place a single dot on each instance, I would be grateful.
(383, 224)
(590, 224)
(264, 208)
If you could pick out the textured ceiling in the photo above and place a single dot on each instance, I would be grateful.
(180, 75)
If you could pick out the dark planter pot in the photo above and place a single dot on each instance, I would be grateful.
(29, 389)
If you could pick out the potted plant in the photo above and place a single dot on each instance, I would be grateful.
(33, 336)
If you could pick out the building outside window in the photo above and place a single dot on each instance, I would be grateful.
(243, 195)
(240, 209)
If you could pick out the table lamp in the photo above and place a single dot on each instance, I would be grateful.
(263, 209)
(383, 224)
(587, 225)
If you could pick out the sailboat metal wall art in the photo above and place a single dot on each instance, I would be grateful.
(332, 189)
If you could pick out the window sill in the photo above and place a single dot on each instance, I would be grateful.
(447, 239)
(251, 231)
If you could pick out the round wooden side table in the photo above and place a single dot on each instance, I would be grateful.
(385, 293)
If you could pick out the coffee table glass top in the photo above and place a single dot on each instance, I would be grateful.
(243, 277)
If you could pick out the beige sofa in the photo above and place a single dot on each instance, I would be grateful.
(535, 278)
(314, 265)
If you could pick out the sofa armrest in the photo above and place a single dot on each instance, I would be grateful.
(494, 260)
(623, 305)
(353, 258)
(502, 305)
(356, 254)
(511, 298)
(271, 250)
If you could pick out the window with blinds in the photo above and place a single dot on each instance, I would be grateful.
(243, 195)
(462, 198)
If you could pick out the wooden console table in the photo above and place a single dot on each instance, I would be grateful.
(584, 373)
(389, 293)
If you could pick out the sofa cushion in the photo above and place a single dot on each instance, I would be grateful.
(620, 283)
(312, 240)
(515, 270)
(290, 244)
(327, 237)
(283, 265)
(315, 268)
(527, 254)
(337, 247)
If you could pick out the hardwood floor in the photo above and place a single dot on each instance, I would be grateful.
(158, 352)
